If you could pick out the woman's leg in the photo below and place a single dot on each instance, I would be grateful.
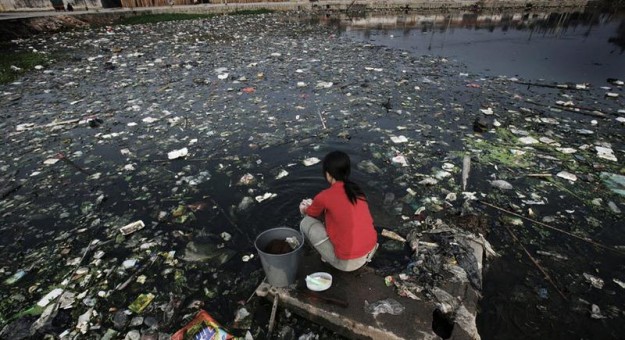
(315, 232)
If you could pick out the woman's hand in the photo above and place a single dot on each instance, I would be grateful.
(304, 204)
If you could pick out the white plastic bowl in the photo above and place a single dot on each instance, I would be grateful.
(319, 281)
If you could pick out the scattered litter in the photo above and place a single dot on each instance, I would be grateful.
(594, 281)
(428, 181)
(552, 254)
(311, 161)
(247, 179)
(400, 159)
(386, 306)
(595, 312)
(283, 173)
(123, 103)
(567, 175)
(605, 153)
(265, 196)
(615, 209)
(141, 303)
(132, 227)
(225, 236)
(567, 151)
(392, 235)
(15, 277)
(487, 111)
(501, 184)
(399, 139)
(53, 294)
(614, 182)
(619, 282)
(528, 140)
(203, 324)
(178, 153)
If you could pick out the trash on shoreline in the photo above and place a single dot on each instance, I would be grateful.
(386, 306)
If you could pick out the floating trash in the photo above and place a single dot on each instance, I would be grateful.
(131, 228)
(488, 111)
(311, 161)
(614, 182)
(115, 106)
(528, 140)
(265, 196)
(178, 153)
(141, 303)
(501, 184)
(399, 139)
(594, 281)
(283, 173)
(605, 153)
(567, 175)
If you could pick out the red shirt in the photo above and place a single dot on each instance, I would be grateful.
(349, 226)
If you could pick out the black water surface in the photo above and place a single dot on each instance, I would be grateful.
(573, 46)
(581, 47)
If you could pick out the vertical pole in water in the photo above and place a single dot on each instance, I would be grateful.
(272, 319)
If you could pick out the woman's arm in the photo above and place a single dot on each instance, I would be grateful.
(317, 207)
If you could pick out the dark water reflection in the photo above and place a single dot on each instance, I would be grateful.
(565, 47)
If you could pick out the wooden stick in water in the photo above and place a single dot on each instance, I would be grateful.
(536, 263)
(553, 228)
(272, 319)
(322, 122)
(466, 168)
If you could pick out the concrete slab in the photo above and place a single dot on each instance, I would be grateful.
(352, 321)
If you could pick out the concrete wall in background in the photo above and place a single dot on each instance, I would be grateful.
(25, 5)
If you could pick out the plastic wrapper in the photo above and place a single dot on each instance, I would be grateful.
(389, 306)
(203, 327)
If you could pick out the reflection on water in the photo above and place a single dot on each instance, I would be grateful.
(565, 47)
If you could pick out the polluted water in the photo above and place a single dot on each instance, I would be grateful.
(138, 167)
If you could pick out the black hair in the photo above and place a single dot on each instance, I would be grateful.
(338, 165)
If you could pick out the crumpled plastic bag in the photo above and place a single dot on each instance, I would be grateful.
(614, 182)
(389, 306)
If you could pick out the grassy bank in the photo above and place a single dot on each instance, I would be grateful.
(154, 18)
(13, 65)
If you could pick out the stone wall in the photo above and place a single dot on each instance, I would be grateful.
(25, 5)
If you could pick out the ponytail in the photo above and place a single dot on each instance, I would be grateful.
(338, 165)
(353, 191)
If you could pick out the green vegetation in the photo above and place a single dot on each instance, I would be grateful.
(15, 64)
(251, 12)
(154, 18)
(496, 154)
